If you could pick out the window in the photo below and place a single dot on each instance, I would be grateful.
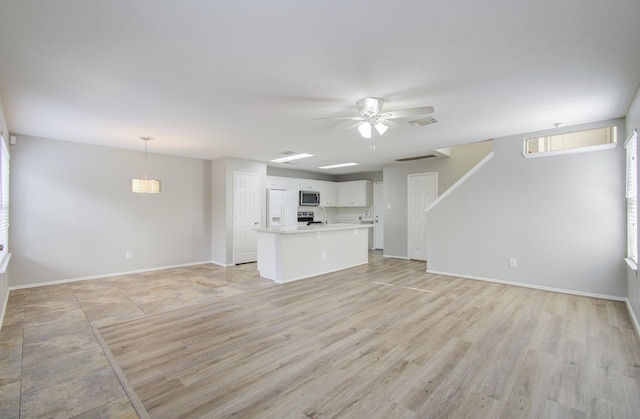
(4, 202)
(631, 145)
(572, 142)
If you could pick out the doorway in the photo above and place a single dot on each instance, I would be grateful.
(422, 191)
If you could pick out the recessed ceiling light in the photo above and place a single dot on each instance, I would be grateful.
(289, 158)
(333, 166)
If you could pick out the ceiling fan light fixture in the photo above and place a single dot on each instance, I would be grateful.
(365, 129)
(370, 105)
(381, 128)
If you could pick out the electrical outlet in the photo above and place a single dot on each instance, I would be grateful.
(513, 262)
(324, 255)
(128, 254)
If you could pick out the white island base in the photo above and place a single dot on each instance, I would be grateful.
(286, 255)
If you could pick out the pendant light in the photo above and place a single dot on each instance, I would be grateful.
(146, 185)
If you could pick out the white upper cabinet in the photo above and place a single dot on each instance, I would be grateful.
(309, 185)
(354, 194)
(280, 183)
(328, 193)
(292, 184)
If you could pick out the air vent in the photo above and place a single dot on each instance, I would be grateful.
(423, 121)
(428, 156)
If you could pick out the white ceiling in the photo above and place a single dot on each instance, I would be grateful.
(247, 79)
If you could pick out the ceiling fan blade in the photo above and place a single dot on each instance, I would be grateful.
(403, 113)
(352, 118)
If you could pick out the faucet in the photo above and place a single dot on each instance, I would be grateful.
(324, 215)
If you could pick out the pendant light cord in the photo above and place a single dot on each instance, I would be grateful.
(145, 158)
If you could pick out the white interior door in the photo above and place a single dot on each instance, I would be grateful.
(422, 190)
(246, 216)
(378, 215)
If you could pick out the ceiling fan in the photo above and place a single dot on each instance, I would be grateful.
(373, 117)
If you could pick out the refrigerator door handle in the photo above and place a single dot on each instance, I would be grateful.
(283, 216)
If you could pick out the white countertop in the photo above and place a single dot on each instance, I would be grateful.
(314, 228)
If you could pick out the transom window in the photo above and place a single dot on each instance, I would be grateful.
(573, 142)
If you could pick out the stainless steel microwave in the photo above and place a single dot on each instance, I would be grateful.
(309, 198)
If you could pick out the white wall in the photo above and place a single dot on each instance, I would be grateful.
(222, 178)
(372, 176)
(633, 282)
(219, 212)
(73, 214)
(449, 169)
(562, 217)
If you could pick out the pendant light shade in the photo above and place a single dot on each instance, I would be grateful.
(381, 128)
(365, 129)
(146, 185)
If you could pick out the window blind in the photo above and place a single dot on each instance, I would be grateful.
(4, 201)
(631, 146)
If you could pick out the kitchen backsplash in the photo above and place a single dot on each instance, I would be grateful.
(342, 215)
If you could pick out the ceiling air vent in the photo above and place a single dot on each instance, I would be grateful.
(423, 121)
(428, 156)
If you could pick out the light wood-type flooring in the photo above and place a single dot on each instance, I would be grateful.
(384, 340)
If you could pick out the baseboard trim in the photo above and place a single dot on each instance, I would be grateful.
(633, 317)
(86, 278)
(395, 257)
(536, 287)
(224, 265)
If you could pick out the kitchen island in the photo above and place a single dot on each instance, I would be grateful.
(289, 254)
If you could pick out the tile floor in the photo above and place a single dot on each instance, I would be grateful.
(51, 364)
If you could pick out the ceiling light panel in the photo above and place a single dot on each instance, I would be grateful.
(290, 158)
(334, 166)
